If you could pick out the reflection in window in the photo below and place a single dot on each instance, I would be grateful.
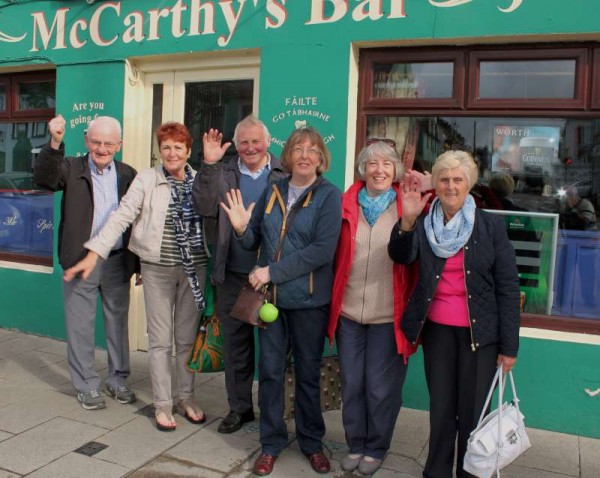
(36, 95)
(216, 104)
(527, 79)
(26, 213)
(413, 80)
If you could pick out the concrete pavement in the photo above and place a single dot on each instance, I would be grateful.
(45, 433)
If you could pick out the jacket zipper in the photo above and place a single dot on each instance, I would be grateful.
(465, 249)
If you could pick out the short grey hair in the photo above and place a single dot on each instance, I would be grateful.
(379, 150)
(109, 120)
(247, 122)
(456, 159)
(502, 184)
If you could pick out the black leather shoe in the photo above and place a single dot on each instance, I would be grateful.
(234, 421)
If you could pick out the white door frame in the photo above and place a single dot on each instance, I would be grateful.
(173, 72)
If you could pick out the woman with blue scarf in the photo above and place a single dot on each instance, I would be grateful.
(368, 299)
(167, 237)
(465, 308)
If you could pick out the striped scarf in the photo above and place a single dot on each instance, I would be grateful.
(188, 230)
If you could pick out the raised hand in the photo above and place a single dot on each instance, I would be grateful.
(423, 179)
(56, 127)
(238, 215)
(84, 267)
(213, 150)
(413, 202)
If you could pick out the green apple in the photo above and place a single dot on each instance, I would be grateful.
(268, 312)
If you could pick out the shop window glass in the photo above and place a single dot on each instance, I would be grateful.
(3, 98)
(529, 79)
(527, 165)
(216, 104)
(36, 95)
(413, 80)
(26, 212)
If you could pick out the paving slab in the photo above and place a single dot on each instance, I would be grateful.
(166, 466)
(8, 474)
(399, 463)
(216, 451)
(589, 450)
(72, 464)
(33, 409)
(131, 451)
(552, 452)
(39, 446)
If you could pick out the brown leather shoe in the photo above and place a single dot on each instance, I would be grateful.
(319, 462)
(264, 464)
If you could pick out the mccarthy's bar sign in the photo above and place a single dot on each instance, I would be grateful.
(196, 17)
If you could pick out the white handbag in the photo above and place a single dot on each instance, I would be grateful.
(500, 437)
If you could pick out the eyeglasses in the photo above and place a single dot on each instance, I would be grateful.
(107, 144)
(311, 152)
(389, 142)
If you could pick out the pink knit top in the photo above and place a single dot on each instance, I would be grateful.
(449, 304)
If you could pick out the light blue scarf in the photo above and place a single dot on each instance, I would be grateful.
(446, 240)
(372, 207)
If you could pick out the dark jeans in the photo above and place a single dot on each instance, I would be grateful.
(238, 345)
(372, 377)
(458, 380)
(304, 331)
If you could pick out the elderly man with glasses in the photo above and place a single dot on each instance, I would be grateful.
(92, 187)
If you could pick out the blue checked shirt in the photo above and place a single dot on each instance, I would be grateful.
(106, 196)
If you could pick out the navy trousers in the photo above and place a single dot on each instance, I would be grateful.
(304, 331)
(238, 345)
(372, 374)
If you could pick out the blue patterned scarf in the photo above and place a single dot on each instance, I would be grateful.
(188, 230)
(372, 207)
(447, 239)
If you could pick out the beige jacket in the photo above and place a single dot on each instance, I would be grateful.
(145, 206)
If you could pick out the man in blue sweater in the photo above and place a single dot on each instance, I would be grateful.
(251, 172)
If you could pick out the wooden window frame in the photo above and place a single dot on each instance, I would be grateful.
(6, 112)
(580, 55)
(585, 104)
(16, 80)
(457, 57)
(595, 101)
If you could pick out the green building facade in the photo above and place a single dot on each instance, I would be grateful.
(431, 74)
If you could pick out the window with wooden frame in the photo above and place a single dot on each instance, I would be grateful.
(26, 213)
(526, 113)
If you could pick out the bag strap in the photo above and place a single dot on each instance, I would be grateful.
(489, 397)
(501, 383)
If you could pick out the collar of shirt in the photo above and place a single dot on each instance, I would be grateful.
(253, 174)
(94, 169)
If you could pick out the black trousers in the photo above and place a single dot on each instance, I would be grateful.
(458, 380)
(238, 345)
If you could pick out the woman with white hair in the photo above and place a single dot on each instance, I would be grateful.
(465, 308)
(368, 299)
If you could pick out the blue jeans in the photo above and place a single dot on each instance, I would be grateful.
(372, 374)
(304, 331)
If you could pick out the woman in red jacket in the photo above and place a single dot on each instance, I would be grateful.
(369, 296)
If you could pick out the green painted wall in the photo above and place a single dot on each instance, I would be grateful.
(551, 378)
(304, 67)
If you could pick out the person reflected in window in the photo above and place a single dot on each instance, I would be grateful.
(576, 212)
(502, 185)
(465, 307)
